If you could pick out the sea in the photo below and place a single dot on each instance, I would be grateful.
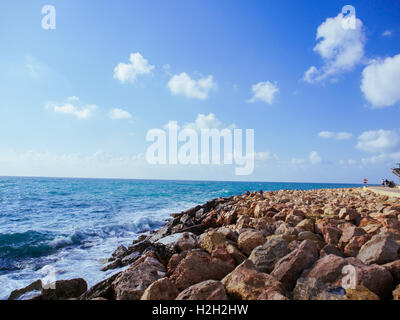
(70, 226)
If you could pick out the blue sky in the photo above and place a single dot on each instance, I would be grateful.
(67, 109)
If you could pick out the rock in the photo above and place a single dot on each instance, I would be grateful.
(360, 293)
(131, 283)
(374, 277)
(394, 269)
(199, 266)
(332, 235)
(228, 234)
(35, 286)
(272, 295)
(313, 289)
(264, 257)
(235, 253)
(293, 220)
(120, 252)
(349, 232)
(113, 265)
(353, 246)
(247, 283)
(289, 268)
(382, 248)
(396, 293)
(248, 240)
(210, 240)
(206, 290)
(243, 222)
(140, 246)
(330, 249)
(327, 269)
(162, 289)
(65, 289)
(102, 290)
(344, 212)
(130, 258)
(306, 224)
(308, 235)
(187, 241)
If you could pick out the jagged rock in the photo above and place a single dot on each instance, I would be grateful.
(349, 232)
(130, 258)
(34, 286)
(103, 290)
(394, 269)
(199, 266)
(247, 283)
(327, 269)
(313, 289)
(120, 252)
(113, 265)
(360, 293)
(353, 247)
(293, 219)
(140, 246)
(330, 249)
(382, 248)
(289, 268)
(306, 224)
(332, 235)
(248, 240)
(206, 290)
(264, 257)
(131, 283)
(162, 289)
(187, 241)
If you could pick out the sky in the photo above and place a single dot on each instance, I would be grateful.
(320, 88)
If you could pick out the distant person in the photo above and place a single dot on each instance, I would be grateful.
(383, 182)
(386, 183)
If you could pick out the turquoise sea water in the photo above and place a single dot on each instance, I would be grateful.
(72, 224)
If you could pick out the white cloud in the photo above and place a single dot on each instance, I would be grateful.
(264, 91)
(127, 72)
(182, 84)
(387, 33)
(118, 114)
(389, 158)
(70, 107)
(265, 156)
(315, 157)
(379, 141)
(381, 82)
(340, 48)
(335, 135)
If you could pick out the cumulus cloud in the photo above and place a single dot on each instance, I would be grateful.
(73, 107)
(335, 135)
(264, 91)
(128, 72)
(314, 157)
(379, 141)
(183, 84)
(209, 121)
(340, 48)
(380, 82)
(118, 114)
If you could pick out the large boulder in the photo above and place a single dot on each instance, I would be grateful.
(131, 283)
(162, 289)
(264, 257)
(289, 268)
(64, 289)
(314, 289)
(382, 248)
(250, 239)
(394, 269)
(206, 290)
(34, 286)
(247, 283)
(327, 269)
(199, 266)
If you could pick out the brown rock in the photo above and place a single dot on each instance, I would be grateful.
(65, 289)
(248, 240)
(394, 269)
(289, 268)
(327, 269)
(162, 289)
(330, 249)
(382, 248)
(199, 266)
(187, 241)
(349, 232)
(396, 293)
(206, 290)
(353, 246)
(131, 283)
(246, 283)
(332, 235)
(360, 293)
(34, 286)
(306, 224)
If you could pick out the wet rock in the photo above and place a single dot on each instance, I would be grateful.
(248, 240)
(264, 257)
(65, 289)
(131, 283)
(247, 283)
(199, 266)
(130, 258)
(35, 286)
(113, 265)
(103, 290)
(382, 248)
(289, 268)
(206, 290)
(140, 246)
(120, 252)
(162, 289)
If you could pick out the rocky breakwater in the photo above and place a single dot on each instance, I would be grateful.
(331, 244)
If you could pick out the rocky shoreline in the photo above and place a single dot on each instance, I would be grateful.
(329, 244)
